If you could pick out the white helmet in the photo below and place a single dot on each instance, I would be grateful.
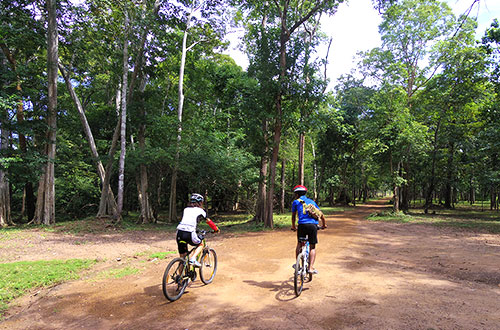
(196, 198)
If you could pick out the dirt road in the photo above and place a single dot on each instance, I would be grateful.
(371, 276)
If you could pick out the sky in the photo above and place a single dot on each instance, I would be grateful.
(354, 28)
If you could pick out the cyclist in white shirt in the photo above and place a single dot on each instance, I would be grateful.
(186, 230)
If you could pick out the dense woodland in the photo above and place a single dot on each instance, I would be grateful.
(109, 107)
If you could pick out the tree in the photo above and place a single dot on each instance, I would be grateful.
(287, 17)
(45, 206)
(19, 44)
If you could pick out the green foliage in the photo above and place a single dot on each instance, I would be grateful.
(18, 278)
(463, 218)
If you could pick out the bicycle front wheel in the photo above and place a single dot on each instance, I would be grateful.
(298, 276)
(174, 281)
(208, 266)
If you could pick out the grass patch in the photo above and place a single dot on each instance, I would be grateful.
(467, 218)
(9, 233)
(117, 273)
(17, 278)
(161, 255)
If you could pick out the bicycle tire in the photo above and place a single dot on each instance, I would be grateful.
(174, 282)
(298, 276)
(208, 266)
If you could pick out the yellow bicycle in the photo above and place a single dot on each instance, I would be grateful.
(179, 272)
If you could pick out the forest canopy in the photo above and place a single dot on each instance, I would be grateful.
(109, 107)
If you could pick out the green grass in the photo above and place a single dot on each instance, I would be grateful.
(463, 217)
(18, 278)
(117, 273)
(161, 255)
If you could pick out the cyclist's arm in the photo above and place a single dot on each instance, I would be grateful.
(323, 220)
(212, 225)
(294, 217)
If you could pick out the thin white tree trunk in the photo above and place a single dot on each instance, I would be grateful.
(123, 138)
(110, 200)
(173, 184)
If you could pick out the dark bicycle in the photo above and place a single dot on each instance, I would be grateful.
(179, 272)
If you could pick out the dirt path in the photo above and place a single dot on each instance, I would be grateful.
(371, 276)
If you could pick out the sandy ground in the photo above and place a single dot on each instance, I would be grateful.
(371, 276)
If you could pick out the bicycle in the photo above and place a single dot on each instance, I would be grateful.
(179, 272)
(301, 270)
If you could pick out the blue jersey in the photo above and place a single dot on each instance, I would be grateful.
(297, 207)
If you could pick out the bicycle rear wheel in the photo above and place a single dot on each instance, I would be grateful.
(208, 266)
(174, 282)
(298, 276)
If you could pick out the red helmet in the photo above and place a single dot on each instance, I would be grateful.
(299, 188)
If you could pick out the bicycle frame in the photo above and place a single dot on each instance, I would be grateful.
(179, 272)
(305, 249)
(301, 268)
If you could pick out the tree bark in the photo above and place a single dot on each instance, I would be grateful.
(302, 138)
(5, 216)
(430, 190)
(283, 186)
(261, 209)
(110, 200)
(123, 128)
(315, 172)
(45, 205)
(147, 215)
(449, 177)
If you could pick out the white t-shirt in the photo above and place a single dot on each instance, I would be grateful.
(189, 218)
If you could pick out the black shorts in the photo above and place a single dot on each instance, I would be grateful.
(309, 230)
(183, 239)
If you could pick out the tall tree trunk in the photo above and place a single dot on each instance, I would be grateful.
(147, 215)
(45, 205)
(285, 33)
(315, 172)
(261, 209)
(395, 186)
(283, 186)
(106, 190)
(449, 177)
(173, 184)
(405, 189)
(5, 217)
(110, 200)
(430, 190)
(302, 138)
(123, 128)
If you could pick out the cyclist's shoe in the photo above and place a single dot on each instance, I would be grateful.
(195, 263)
(293, 266)
(313, 271)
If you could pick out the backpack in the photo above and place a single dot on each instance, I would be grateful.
(314, 212)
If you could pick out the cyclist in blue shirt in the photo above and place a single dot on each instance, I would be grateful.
(307, 225)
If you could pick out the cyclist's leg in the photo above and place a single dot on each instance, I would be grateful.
(195, 241)
(313, 240)
(182, 239)
(301, 232)
(312, 256)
